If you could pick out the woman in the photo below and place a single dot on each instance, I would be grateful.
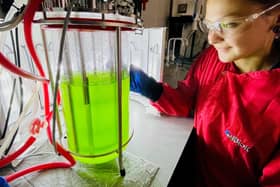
(233, 89)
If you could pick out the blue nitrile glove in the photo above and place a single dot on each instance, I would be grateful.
(141, 83)
(3, 182)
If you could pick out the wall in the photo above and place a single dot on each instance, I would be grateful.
(148, 50)
(156, 13)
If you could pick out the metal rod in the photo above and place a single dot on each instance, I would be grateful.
(119, 85)
(70, 74)
(85, 91)
(83, 68)
(94, 54)
(65, 26)
(104, 154)
(100, 23)
(50, 77)
(68, 62)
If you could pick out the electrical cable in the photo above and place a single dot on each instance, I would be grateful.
(17, 18)
(18, 63)
(9, 110)
(28, 18)
(13, 91)
(19, 120)
(6, 62)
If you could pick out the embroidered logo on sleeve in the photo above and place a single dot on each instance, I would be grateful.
(237, 141)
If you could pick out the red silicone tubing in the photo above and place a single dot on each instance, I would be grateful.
(5, 161)
(28, 18)
(18, 71)
(39, 167)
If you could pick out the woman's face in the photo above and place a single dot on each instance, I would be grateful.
(240, 39)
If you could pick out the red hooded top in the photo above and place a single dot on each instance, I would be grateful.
(236, 120)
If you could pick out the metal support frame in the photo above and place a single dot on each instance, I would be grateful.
(118, 27)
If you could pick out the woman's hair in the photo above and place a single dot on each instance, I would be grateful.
(266, 2)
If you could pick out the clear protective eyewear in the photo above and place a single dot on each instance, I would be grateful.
(232, 26)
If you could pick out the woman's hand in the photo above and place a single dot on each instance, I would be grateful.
(143, 84)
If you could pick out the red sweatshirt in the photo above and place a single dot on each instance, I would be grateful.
(236, 120)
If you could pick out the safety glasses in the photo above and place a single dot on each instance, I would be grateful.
(229, 27)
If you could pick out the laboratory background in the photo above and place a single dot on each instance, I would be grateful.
(67, 117)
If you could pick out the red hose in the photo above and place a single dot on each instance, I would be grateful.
(35, 129)
(18, 71)
(28, 18)
(39, 167)
(5, 161)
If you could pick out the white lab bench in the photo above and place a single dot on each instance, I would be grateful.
(158, 139)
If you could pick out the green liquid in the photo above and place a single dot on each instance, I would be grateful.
(91, 116)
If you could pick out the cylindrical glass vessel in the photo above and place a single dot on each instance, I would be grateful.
(89, 90)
